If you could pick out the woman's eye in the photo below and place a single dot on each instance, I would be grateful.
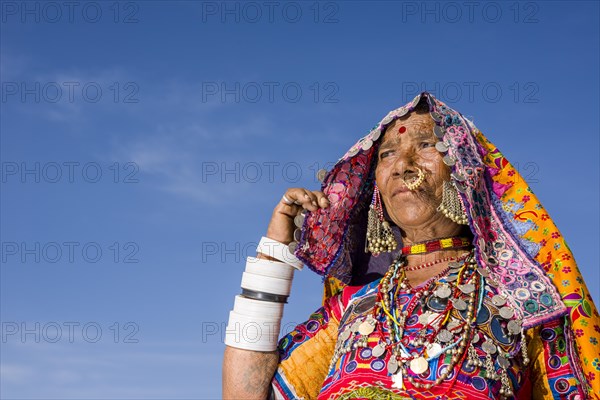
(384, 154)
(427, 144)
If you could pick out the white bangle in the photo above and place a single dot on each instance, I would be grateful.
(266, 284)
(278, 251)
(275, 269)
(252, 333)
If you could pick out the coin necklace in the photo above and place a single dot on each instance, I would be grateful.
(437, 332)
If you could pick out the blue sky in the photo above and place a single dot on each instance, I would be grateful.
(144, 145)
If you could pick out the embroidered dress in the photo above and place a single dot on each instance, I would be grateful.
(519, 254)
(361, 374)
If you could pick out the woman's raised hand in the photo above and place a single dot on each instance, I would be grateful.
(281, 226)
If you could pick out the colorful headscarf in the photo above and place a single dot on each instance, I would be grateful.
(514, 238)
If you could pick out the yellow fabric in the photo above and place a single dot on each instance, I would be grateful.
(331, 287)
(537, 369)
(307, 367)
(558, 262)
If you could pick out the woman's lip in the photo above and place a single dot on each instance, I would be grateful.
(400, 190)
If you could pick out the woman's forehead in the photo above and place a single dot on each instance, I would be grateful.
(414, 126)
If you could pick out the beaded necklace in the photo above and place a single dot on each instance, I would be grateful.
(443, 333)
(436, 337)
(430, 246)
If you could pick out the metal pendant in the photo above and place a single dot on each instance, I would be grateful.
(424, 318)
(514, 328)
(299, 220)
(457, 177)
(419, 365)
(460, 186)
(434, 350)
(321, 174)
(503, 362)
(292, 247)
(378, 350)
(453, 325)
(366, 328)
(441, 147)
(507, 312)
(345, 334)
(488, 347)
(375, 134)
(297, 234)
(459, 304)
(449, 160)
(367, 144)
(498, 300)
(388, 118)
(433, 317)
(438, 131)
(443, 292)
(445, 335)
(467, 288)
(392, 365)
(436, 117)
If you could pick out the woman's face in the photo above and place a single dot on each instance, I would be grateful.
(409, 143)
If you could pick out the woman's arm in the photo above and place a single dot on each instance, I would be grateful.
(248, 374)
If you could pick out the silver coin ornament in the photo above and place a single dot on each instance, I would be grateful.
(345, 334)
(292, 247)
(378, 350)
(513, 327)
(434, 350)
(445, 335)
(441, 147)
(321, 174)
(367, 144)
(459, 304)
(392, 365)
(449, 160)
(419, 365)
(488, 347)
(443, 292)
(507, 312)
(498, 300)
(438, 131)
(467, 288)
(366, 328)
(503, 361)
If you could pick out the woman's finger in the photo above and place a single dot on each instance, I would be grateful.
(305, 198)
(322, 199)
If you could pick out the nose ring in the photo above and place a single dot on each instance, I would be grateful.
(415, 183)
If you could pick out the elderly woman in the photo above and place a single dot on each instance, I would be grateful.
(444, 279)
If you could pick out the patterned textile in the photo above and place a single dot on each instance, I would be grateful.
(361, 374)
(515, 240)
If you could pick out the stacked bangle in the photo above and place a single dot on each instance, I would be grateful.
(278, 251)
(255, 320)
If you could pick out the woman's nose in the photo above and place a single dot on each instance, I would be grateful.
(404, 163)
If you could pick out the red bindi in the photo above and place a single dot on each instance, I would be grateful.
(402, 129)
